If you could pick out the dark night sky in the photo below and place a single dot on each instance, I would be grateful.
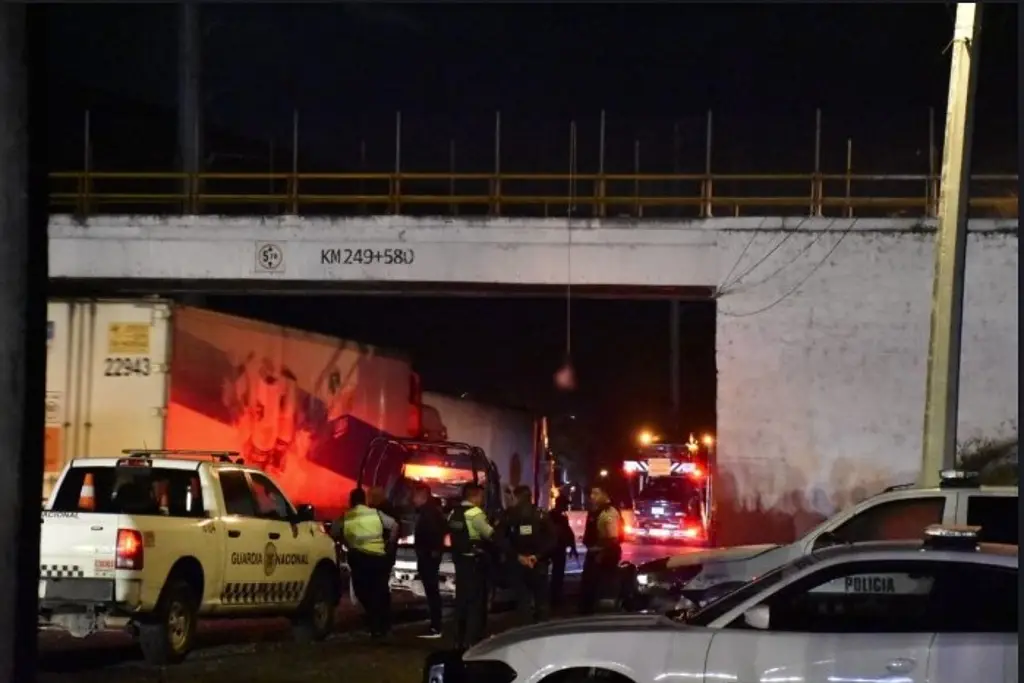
(874, 69)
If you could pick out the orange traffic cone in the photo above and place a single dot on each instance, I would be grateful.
(87, 498)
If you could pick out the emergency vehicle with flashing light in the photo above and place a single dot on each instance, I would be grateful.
(154, 540)
(937, 609)
(671, 494)
(445, 467)
(898, 513)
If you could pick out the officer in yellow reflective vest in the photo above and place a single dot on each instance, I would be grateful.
(367, 533)
(470, 535)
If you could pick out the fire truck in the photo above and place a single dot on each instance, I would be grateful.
(671, 490)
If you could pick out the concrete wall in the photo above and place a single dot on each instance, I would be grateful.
(820, 397)
(528, 252)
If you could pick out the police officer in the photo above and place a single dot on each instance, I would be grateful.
(470, 535)
(429, 533)
(530, 535)
(367, 533)
(378, 500)
(565, 540)
(603, 539)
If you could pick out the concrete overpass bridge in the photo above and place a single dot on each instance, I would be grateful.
(822, 324)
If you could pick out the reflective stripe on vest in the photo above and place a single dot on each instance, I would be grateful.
(363, 530)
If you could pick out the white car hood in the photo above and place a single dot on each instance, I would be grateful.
(732, 565)
(739, 552)
(576, 626)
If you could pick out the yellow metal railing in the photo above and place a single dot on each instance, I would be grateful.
(587, 195)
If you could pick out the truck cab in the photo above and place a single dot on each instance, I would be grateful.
(445, 467)
(671, 492)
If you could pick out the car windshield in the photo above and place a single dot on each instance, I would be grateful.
(679, 489)
(723, 605)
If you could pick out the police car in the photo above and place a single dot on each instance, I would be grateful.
(898, 513)
(155, 540)
(941, 610)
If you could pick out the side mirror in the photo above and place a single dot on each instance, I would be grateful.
(757, 617)
(305, 513)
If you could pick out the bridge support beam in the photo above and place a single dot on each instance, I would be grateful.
(943, 379)
(23, 244)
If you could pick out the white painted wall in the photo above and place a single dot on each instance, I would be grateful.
(820, 397)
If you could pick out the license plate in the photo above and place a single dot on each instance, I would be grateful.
(657, 511)
(659, 532)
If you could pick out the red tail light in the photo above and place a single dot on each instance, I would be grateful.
(130, 550)
(692, 531)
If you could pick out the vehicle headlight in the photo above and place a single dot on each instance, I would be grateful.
(643, 580)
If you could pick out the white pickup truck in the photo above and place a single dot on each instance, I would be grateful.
(155, 540)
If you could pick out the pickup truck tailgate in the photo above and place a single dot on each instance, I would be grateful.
(77, 545)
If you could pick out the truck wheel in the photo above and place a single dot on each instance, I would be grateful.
(166, 636)
(315, 619)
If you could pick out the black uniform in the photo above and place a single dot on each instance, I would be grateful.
(472, 580)
(391, 546)
(565, 539)
(529, 533)
(431, 528)
(600, 567)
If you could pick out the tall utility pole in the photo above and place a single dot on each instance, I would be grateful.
(190, 142)
(943, 383)
(23, 245)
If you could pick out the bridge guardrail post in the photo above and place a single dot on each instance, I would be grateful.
(293, 179)
(848, 209)
(599, 187)
(931, 189)
(706, 196)
(638, 208)
(396, 184)
(707, 186)
(495, 184)
(85, 181)
(817, 187)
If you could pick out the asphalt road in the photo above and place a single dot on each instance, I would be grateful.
(108, 656)
(638, 553)
(343, 657)
(60, 653)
